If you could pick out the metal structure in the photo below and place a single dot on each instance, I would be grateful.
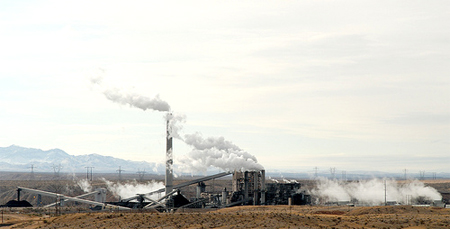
(249, 185)
(100, 197)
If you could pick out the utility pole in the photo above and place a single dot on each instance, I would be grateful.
(91, 172)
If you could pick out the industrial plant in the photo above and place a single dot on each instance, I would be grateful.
(248, 187)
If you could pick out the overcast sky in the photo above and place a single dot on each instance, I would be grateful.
(355, 85)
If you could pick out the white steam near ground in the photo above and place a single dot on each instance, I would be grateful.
(126, 189)
(206, 152)
(372, 192)
(85, 185)
(131, 188)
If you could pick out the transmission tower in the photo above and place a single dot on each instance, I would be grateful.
(32, 171)
(333, 172)
(120, 170)
(141, 174)
(315, 172)
(422, 175)
(87, 172)
(56, 170)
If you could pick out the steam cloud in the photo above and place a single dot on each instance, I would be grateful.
(209, 152)
(371, 192)
(216, 152)
(129, 98)
(85, 185)
(132, 188)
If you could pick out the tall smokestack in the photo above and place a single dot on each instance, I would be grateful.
(169, 159)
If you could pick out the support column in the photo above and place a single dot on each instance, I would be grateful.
(255, 187)
(245, 185)
(263, 187)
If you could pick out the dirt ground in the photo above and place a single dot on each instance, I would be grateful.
(244, 217)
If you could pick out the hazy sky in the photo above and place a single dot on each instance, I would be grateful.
(355, 85)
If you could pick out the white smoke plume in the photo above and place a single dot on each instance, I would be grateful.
(175, 124)
(209, 152)
(372, 192)
(130, 98)
(216, 152)
(85, 185)
(132, 188)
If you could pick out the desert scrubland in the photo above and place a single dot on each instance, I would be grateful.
(244, 217)
(282, 216)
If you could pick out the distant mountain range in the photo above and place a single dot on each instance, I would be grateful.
(20, 159)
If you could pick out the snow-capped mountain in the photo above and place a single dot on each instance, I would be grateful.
(20, 159)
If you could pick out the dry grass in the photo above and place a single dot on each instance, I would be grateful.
(251, 217)
(236, 217)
